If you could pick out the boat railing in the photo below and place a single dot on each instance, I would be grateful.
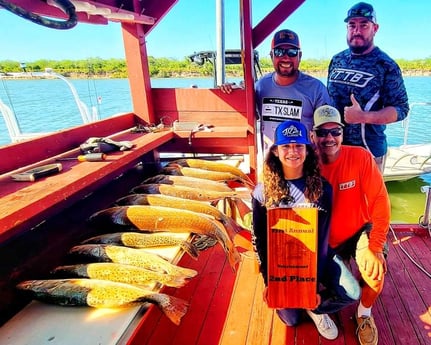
(406, 121)
(11, 120)
(424, 220)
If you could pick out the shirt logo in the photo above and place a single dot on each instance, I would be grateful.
(347, 185)
(350, 77)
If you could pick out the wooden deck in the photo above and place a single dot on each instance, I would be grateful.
(227, 309)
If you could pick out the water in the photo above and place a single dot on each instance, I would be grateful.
(48, 105)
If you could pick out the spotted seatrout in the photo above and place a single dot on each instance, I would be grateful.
(192, 193)
(186, 204)
(119, 273)
(160, 218)
(145, 240)
(188, 181)
(102, 294)
(128, 256)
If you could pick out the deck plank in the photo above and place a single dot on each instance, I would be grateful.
(240, 317)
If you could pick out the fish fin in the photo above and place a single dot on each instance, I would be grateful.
(177, 281)
(241, 206)
(175, 309)
(243, 240)
(190, 249)
(188, 272)
(234, 258)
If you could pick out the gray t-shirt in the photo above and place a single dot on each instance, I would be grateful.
(297, 101)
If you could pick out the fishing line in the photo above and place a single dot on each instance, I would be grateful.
(408, 255)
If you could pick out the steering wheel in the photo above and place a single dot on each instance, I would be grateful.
(65, 5)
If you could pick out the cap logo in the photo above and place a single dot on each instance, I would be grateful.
(292, 131)
(285, 34)
(327, 112)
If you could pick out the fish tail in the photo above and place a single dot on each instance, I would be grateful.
(228, 246)
(190, 249)
(173, 307)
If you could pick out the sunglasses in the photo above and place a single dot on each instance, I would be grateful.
(323, 133)
(290, 52)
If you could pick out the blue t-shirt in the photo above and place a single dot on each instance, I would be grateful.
(376, 82)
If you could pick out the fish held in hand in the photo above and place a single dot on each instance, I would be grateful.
(145, 240)
(128, 256)
(119, 273)
(101, 294)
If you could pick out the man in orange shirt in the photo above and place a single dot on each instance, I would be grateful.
(360, 214)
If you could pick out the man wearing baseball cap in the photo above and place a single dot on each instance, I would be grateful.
(366, 85)
(360, 213)
(291, 178)
(286, 93)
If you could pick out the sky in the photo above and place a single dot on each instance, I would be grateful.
(404, 33)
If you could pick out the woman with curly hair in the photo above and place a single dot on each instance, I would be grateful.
(291, 178)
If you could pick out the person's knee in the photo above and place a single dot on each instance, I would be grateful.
(290, 317)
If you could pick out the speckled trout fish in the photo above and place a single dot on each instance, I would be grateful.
(119, 273)
(128, 256)
(102, 294)
(159, 218)
(145, 240)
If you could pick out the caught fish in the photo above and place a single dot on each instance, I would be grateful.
(128, 256)
(178, 170)
(213, 166)
(119, 273)
(160, 218)
(193, 193)
(143, 240)
(102, 294)
(186, 204)
(188, 181)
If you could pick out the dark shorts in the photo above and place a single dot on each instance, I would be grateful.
(348, 249)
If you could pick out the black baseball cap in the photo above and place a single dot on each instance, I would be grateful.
(362, 10)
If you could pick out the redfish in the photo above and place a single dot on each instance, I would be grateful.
(143, 240)
(119, 273)
(186, 204)
(128, 256)
(213, 166)
(102, 294)
(188, 181)
(192, 193)
(159, 218)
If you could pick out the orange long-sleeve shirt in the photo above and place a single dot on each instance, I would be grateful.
(359, 196)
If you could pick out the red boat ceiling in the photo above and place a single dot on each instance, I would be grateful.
(148, 12)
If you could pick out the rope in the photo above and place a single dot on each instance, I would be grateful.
(65, 5)
(408, 255)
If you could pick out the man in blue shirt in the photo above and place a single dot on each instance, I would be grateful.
(366, 85)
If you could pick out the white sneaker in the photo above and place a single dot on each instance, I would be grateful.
(325, 326)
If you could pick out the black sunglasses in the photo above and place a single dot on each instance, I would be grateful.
(290, 52)
(323, 133)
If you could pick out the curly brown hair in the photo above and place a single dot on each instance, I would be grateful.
(275, 187)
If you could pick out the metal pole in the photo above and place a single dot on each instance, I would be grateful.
(220, 54)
